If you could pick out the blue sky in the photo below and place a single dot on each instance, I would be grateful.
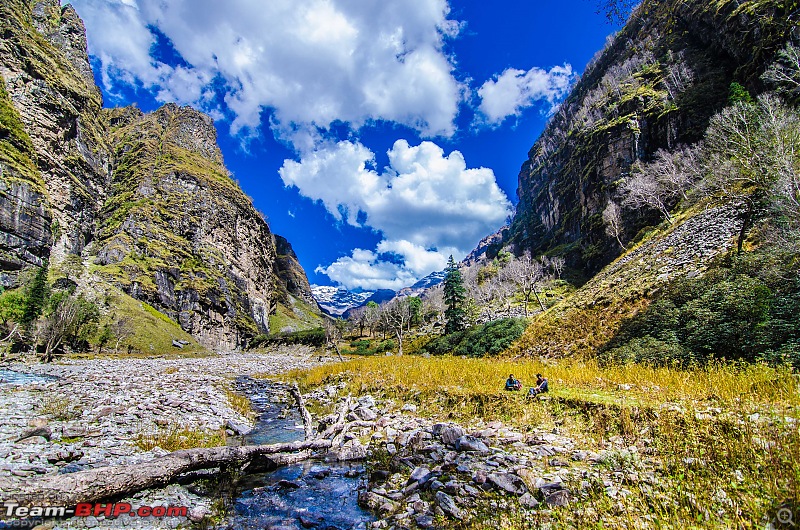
(378, 137)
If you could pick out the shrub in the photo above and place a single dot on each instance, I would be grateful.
(12, 306)
(308, 337)
(489, 339)
(650, 351)
(367, 347)
(729, 313)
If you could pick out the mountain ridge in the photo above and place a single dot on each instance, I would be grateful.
(140, 201)
(654, 86)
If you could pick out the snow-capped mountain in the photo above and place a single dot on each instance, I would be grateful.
(336, 300)
(431, 280)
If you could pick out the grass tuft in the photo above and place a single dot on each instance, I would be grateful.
(58, 408)
(174, 438)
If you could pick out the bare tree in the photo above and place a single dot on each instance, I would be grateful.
(372, 317)
(679, 76)
(333, 334)
(676, 171)
(557, 265)
(68, 318)
(396, 315)
(616, 11)
(613, 222)
(526, 273)
(784, 73)
(433, 305)
(122, 328)
(641, 189)
(752, 153)
(358, 318)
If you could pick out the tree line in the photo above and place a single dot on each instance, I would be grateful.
(49, 319)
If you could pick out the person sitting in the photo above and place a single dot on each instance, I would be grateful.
(512, 384)
(540, 388)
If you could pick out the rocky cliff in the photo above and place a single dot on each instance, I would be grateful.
(142, 201)
(654, 86)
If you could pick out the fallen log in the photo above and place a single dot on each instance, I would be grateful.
(308, 423)
(114, 481)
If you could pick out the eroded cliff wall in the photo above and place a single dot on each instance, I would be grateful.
(653, 87)
(142, 200)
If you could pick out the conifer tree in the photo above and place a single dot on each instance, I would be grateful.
(36, 296)
(455, 298)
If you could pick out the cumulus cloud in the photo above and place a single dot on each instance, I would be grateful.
(310, 63)
(364, 269)
(427, 205)
(509, 93)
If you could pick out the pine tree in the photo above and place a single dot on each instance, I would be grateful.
(455, 297)
(36, 296)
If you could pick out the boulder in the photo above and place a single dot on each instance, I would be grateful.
(470, 443)
(198, 513)
(507, 482)
(237, 428)
(420, 474)
(351, 450)
(448, 505)
(451, 434)
(557, 498)
(43, 432)
(366, 414)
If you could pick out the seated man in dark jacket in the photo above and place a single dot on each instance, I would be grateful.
(540, 388)
(512, 384)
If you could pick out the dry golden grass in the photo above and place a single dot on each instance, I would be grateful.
(239, 403)
(176, 437)
(751, 385)
(58, 407)
(719, 465)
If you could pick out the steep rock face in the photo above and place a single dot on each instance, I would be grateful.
(293, 278)
(178, 233)
(655, 86)
(24, 215)
(48, 81)
(143, 199)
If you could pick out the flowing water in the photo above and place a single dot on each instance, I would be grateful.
(313, 494)
(8, 377)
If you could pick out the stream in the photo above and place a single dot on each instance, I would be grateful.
(313, 494)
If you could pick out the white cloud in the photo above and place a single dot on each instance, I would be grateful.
(425, 204)
(364, 269)
(515, 90)
(312, 63)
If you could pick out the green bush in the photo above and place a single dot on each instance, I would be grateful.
(386, 346)
(368, 347)
(648, 350)
(12, 306)
(735, 312)
(307, 337)
(489, 339)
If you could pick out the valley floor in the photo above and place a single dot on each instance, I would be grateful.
(110, 411)
(626, 447)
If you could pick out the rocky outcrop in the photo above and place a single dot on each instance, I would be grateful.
(654, 86)
(178, 233)
(45, 67)
(25, 218)
(145, 198)
(294, 281)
